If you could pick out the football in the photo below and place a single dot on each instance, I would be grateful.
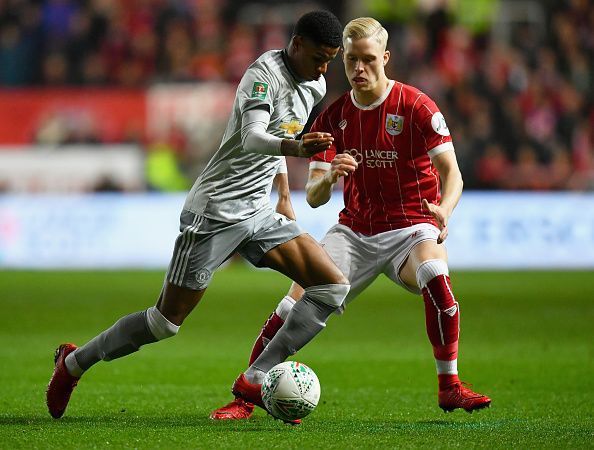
(290, 390)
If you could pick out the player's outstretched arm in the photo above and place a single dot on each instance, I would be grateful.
(256, 139)
(451, 190)
(320, 182)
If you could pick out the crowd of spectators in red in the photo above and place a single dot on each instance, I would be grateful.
(521, 110)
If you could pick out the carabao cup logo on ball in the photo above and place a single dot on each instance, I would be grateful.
(290, 390)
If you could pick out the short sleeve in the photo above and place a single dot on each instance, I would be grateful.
(323, 159)
(434, 130)
(256, 89)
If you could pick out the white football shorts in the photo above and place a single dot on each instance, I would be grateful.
(204, 244)
(362, 258)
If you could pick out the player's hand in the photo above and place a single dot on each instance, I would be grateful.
(312, 143)
(441, 216)
(342, 165)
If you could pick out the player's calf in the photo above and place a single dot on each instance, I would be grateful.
(442, 314)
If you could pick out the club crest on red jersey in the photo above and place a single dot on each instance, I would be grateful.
(394, 124)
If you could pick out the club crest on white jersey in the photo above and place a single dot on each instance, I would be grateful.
(394, 124)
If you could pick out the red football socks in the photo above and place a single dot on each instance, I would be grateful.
(272, 325)
(442, 318)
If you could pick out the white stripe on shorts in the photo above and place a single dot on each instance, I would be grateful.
(183, 253)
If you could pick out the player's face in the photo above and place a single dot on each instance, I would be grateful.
(364, 61)
(310, 60)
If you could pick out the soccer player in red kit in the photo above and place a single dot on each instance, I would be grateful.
(401, 184)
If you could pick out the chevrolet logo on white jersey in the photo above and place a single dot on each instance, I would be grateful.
(291, 128)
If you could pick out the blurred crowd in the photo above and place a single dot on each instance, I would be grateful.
(517, 92)
(520, 106)
(133, 43)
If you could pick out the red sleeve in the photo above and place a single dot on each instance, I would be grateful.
(434, 132)
(322, 124)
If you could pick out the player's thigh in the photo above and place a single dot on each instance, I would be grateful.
(356, 257)
(281, 244)
(200, 248)
(304, 261)
(421, 252)
(400, 250)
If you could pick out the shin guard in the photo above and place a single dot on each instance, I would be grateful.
(442, 315)
(306, 319)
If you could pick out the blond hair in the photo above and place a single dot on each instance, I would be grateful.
(365, 27)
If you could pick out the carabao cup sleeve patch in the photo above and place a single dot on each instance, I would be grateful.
(259, 90)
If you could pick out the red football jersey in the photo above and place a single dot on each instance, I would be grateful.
(392, 140)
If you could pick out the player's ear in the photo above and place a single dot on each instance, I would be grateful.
(386, 57)
(297, 42)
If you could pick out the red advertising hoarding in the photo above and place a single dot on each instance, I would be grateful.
(80, 115)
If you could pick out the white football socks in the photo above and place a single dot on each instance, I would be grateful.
(447, 367)
(284, 307)
(72, 365)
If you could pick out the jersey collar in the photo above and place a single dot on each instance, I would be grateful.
(285, 57)
(376, 103)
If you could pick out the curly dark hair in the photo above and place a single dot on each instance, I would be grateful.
(322, 27)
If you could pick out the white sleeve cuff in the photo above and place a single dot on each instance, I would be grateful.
(282, 167)
(319, 165)
(441, 148)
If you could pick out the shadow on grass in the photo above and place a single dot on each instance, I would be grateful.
(254, 424)
(98, 422)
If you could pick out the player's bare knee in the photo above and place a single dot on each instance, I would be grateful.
(159, 325)
(342, 280)
(295, 292)
(337, 278)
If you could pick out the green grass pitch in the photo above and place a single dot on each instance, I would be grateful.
(527, 340)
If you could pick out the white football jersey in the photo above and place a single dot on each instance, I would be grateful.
(236, 184)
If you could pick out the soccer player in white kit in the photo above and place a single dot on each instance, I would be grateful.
(228, 210)
(392, 145)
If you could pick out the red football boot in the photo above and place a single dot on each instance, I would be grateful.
(238, 409)
(252, 393)
(61, 384)
(459, 395)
